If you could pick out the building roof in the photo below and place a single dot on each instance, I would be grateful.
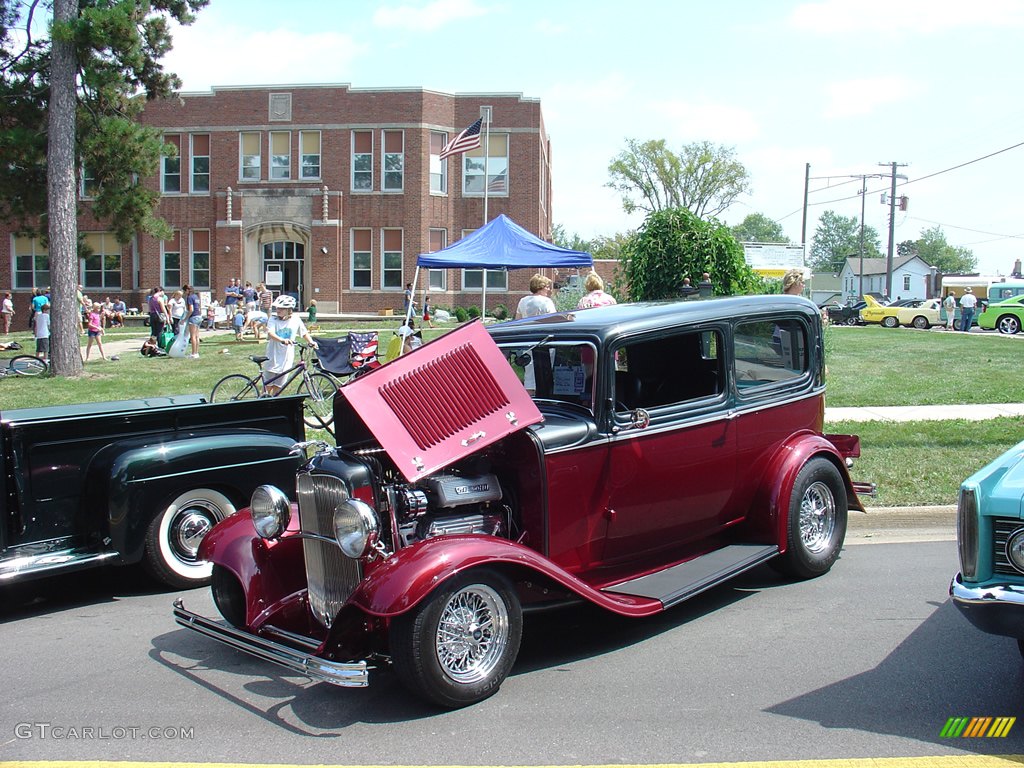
(879, 266)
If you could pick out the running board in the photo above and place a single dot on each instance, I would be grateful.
(675, 584)
(31, 566)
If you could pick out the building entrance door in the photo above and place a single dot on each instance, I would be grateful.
(282, 268)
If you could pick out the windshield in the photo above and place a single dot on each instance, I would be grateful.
(562, 371)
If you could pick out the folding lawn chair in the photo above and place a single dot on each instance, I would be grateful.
(334, 355)
(364, 349)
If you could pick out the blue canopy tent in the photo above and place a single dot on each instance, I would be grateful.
(500, 244)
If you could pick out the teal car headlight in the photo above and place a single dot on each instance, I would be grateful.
(1015, 549)
(355, 527)
(271, 511)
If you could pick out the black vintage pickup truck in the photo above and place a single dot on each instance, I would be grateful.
(134, 480)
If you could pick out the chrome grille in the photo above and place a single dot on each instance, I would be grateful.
(330, 576)
(1002, 529)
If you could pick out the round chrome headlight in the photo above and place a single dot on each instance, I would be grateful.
(1015, 549)
(355, 527)
(270, 510)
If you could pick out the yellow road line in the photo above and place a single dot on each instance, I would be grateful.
(938, 761)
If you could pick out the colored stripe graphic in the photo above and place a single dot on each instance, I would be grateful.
(977, 727)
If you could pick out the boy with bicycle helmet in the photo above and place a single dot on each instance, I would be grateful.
(283, 328)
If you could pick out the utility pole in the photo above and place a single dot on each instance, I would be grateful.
(863, 196)
(892, 230)
(803, 227)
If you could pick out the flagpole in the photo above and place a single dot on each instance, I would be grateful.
(485, 113)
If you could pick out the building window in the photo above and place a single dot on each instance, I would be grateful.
(394, 161)
(172, 262)
(906, 282)
(438, 167)
(472, 280)
(309, 147)
(31, 263)
(170, 178)
(88, 186)
(437, 279)
(200, 277)
(362, 161)
(251, 162)
(280, 155)
(391, 262)
(497, 168)
(103, 264)
(200, 162)
(362, 259)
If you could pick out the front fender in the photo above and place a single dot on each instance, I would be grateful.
(399, 583)
(267, 570)
(783, 469)
(141, 479)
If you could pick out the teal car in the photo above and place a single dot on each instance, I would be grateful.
(989, 589)
(1005, 316)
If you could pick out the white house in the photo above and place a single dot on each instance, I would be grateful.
(912, 278)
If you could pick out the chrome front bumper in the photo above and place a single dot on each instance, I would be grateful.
(352, 674)
(997, 609)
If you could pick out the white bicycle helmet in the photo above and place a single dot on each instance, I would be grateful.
(284, 302)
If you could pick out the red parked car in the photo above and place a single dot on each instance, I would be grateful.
(631, 456)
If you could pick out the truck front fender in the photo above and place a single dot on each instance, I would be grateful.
(139, 479)
(397, 584)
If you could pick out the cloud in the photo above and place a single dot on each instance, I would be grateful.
(429, 17)
(211, 54)
(720, 123)
(848, 17)
(863, 96)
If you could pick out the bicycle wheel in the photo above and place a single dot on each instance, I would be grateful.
(319, 389)
(27, 365)
(235, 386)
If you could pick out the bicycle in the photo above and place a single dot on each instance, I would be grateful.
(318, 387)
(23, 365)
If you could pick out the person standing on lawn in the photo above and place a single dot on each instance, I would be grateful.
(94, 327)
(194, 315)
(949, 304)
(7, 312)
(968, 303)
(283, 328)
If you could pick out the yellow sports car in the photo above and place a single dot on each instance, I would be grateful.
(877, 312)
(921, 314)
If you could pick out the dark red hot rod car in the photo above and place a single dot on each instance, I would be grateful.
(631, 456)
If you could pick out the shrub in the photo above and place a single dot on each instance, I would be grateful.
(474, 312)
(461, 315)
(500, 312)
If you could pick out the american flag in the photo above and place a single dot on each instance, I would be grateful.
(364, 349)
(497, 184)
(465, 141)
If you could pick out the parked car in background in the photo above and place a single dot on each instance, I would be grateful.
(629, 456)
(920, 314)
(135, 480)
(1005, 316)
(989, 589)
(875, 312)
(847, 314)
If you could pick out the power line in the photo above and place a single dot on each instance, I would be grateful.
(998, 235)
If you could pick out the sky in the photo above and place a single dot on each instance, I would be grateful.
(847, 86)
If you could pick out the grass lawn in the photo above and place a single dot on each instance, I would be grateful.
(912, 463)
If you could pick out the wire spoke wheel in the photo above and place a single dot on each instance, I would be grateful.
(27, 365)
(817, 517)
(235, 386)
(472, 634)
(319, 389)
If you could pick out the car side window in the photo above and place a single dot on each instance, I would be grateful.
(770, 352)
(560, 371)
(668, 370)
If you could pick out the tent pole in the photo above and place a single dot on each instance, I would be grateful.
(408, 310)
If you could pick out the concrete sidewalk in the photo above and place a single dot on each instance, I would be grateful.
(974, 412)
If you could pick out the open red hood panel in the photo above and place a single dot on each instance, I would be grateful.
(442, 402)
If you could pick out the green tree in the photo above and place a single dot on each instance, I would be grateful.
(674, 244)
(947, 259)
(561, 238)
(837, 237)
(703, 177)
(758, 228)
(106, 55)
